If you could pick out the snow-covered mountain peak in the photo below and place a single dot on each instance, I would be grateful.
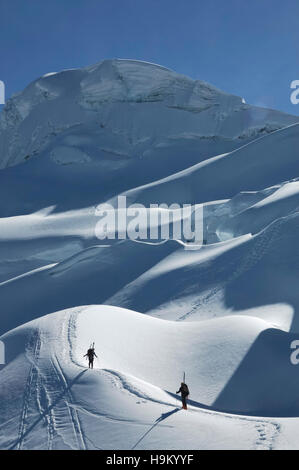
(224, 315)
(137, 81)
(129, 109)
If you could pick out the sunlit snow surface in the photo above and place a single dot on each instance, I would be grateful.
(225, 314)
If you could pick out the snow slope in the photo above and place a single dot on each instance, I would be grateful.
(58, 403)
(261, 163)
(111, 127)
(120, 98)
(225, 314)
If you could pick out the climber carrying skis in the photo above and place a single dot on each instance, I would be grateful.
(184, 391)
(91, 354)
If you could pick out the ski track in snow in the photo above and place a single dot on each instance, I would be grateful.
(48, 391)
(260, 247)
(147, 116)
(76, 424)
(266, 430)
(30, 386)
(267, 434)
(45, 409)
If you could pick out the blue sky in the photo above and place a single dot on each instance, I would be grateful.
(246, 47)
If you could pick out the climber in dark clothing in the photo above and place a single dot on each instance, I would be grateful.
(184, 391)
(91, 355)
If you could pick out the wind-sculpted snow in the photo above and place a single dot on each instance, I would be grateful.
(225, 312)
(269, 205)
(56, 403)
(113, 112)
(167, 281)
(266, 161)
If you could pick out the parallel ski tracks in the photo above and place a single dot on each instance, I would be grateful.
(47, 387)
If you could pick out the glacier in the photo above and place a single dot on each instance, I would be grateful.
(225, 315)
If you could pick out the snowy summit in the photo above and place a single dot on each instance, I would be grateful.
(225, 314)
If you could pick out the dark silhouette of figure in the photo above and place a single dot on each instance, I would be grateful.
(91, 354)
(184, 391)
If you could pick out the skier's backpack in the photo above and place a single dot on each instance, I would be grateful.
(185, 389)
